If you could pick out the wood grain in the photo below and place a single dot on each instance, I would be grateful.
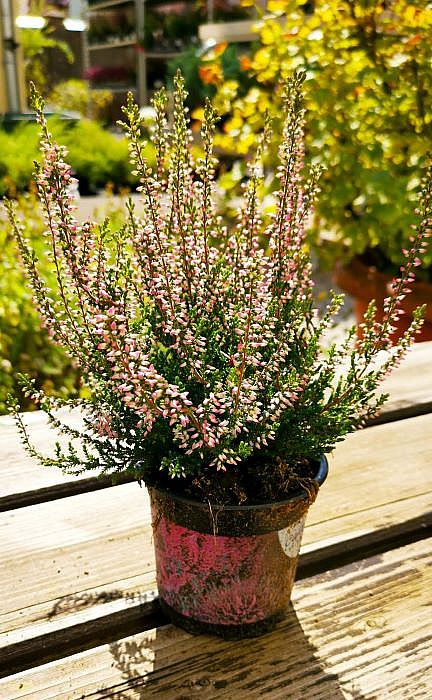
(69, 546)
(409, 386)
(361, 631)
(376, 466)
(23, 482)
(91, 555)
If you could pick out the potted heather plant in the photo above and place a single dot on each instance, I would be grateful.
(204, 360)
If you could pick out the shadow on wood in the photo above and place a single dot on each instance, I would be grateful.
(165, 664)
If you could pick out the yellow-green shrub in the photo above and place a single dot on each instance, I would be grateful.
(369, 101)
(77, 96)
(24, 346)
(97, 156)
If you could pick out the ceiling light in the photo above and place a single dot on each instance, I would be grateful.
(30, 22)
(74, 25)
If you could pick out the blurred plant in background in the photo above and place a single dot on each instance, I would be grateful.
(77, 96)
(208, 72)
(369, 95)
(35, 43)
(97, 156)
(24, 346)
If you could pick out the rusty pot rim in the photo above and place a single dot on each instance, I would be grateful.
(241, 520)
(320, 477)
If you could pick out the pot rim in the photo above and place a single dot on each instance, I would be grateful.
(320, 477)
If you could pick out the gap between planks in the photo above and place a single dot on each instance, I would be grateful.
(360, 631)
(409, 397)
(337, 527)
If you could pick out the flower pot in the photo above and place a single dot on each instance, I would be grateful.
(364, 283)
(227, 570)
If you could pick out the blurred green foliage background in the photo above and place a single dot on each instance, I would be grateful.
(369, 122)
(369, 114)
(24, 345)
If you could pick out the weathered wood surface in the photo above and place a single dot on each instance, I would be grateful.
(360, 631)
(409, 386)
(85, 558)
(23, 482)
(86, 561)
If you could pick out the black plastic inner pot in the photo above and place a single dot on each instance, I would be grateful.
(234, 521)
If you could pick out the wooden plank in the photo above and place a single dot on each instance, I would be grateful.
(373, 467)
(409, 386)
(373, 530)
(23, 482)
(359, 631)
(69, 546)
(91, 556)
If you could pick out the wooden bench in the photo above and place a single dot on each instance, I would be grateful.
(79, 616)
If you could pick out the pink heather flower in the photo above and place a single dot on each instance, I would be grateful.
(177, 320)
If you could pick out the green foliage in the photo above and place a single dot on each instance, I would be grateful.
(369, 101)
(24, 346)
(96, 155)
(18, 150)
(190, 62)
(77, 96)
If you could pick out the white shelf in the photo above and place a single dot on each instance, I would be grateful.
(112, 45)
(238, 30)
(94, 7)
(115, 88)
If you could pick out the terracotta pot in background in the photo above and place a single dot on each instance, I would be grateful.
(364, 283)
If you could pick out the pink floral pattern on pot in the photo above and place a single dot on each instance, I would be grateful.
(225, 580)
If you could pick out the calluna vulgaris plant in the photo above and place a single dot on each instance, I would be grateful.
(202, 349)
